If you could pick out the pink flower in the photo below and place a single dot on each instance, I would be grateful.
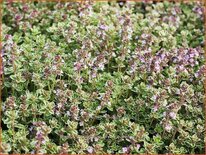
(198, 9)
(18, 18)
(25, 8)
(181, 67)
(121, 21)
(96, 139)
(101, 66)
(94, 74)
(77, 66)
(154, 97)
(192, 55)
(144, 35)
(168, 127)
(157, 67)
(125, 149)
(137, 146)
(90, 149)
(155, 108)
(172, 115)
(103, 27)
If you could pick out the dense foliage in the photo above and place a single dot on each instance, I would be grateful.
(99, 77)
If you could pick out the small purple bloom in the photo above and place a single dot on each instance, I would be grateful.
(138, 146)
(156, 107)
(39, 136)
(121, 3)
(78, 66)
(25, 8)
(125, 149)
(168, 127)
(198, 9)
(192, 55)
(103, 27)
(172, 115)
(90, 149)
(18, 18)
(181, 67)
(122, 21)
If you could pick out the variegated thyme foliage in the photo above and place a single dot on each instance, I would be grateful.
(103, 77)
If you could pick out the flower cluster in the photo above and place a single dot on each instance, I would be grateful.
(102, 77)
